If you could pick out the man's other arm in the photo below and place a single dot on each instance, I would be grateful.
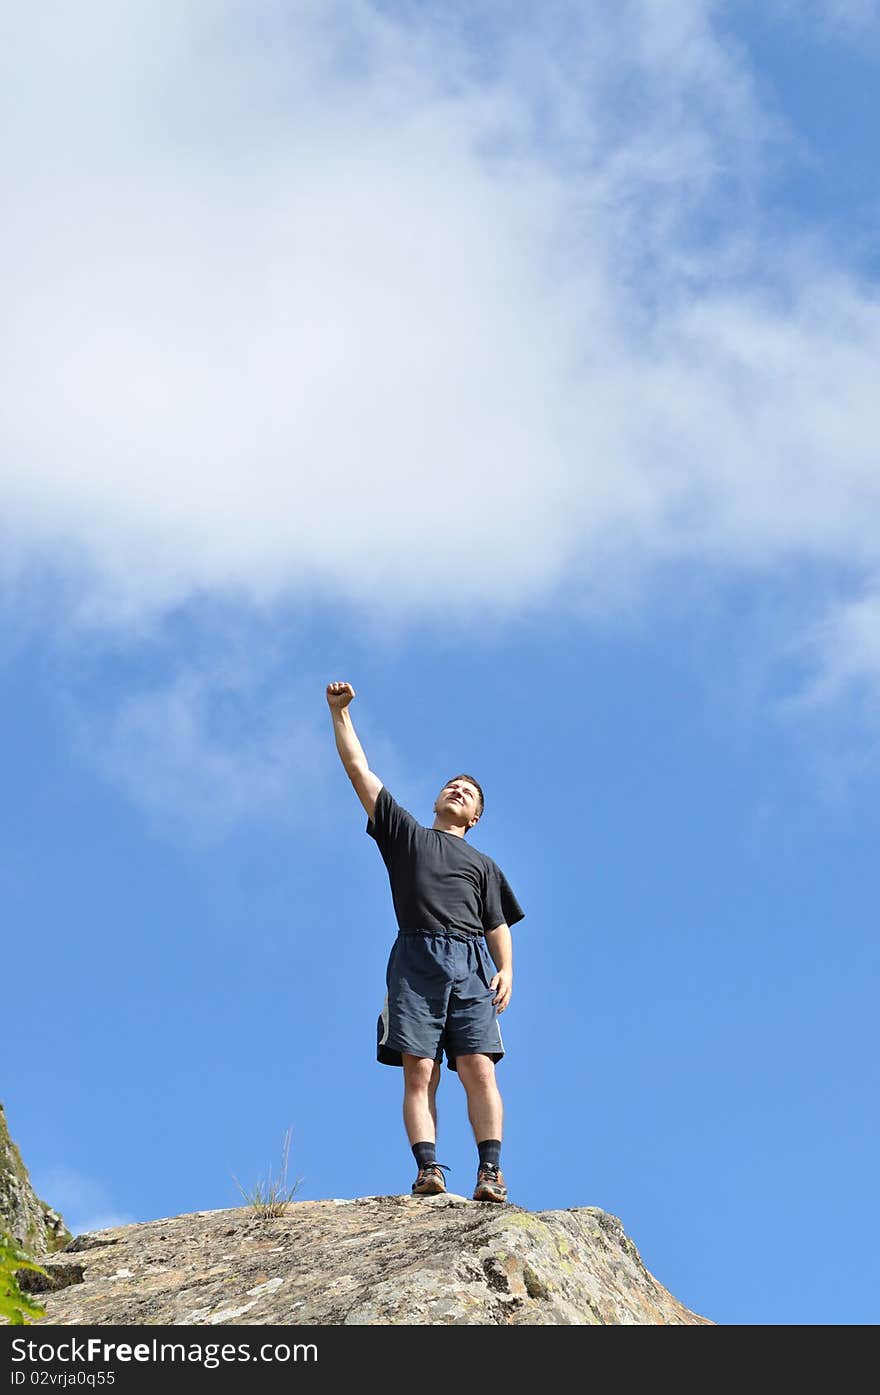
(351, 753)
(500, 944)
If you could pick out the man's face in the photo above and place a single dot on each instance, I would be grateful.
(460, 800)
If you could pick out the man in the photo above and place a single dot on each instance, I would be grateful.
(442, 994)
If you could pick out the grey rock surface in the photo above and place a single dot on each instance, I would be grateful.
(31, 1222)
(366, 1261)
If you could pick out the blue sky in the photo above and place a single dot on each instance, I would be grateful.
(520, 370)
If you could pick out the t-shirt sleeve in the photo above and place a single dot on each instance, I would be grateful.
(390, 822)
(499, 903)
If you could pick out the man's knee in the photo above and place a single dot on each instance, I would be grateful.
(476, 1069)
(420, 1072)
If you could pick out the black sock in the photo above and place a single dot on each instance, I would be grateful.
(425, 1153)
(490, 1152)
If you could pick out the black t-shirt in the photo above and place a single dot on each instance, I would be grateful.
(438, 881)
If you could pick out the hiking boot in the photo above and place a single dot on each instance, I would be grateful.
(490, 1184)
(430, 1181)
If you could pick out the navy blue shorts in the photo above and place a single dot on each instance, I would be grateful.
(438, 1000)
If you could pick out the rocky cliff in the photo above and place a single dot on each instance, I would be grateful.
(34, 1225)
(368, 1261)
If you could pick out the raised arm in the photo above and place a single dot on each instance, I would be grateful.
(351, 753)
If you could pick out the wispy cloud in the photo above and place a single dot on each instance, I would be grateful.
(84, 1202)
(842, 653)
(294, 295)
(838, 18)
(224, 728)
(213, 745)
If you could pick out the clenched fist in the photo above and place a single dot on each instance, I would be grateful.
(339, 695)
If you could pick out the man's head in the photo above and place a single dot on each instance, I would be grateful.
(461, 799)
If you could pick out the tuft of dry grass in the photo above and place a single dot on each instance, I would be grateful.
(270, 1196)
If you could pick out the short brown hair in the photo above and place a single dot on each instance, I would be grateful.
(477, 786)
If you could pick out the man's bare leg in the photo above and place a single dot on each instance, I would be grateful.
(485, 1109)
(486, 1113)
(421, 1076)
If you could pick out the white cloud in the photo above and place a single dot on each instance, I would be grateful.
(300, 300)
